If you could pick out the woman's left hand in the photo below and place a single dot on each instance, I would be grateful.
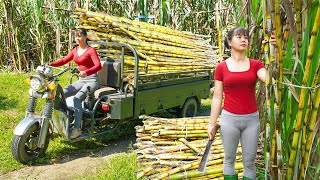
(82, 74)
(272, 39)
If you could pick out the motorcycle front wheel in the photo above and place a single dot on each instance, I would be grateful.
(24, 148)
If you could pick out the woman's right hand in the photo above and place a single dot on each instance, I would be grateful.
(82, 74)
(212, 130)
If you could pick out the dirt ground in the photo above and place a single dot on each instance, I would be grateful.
(72, 166)
(76, 165)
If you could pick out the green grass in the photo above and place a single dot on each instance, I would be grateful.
(121, 167)
(13, 101)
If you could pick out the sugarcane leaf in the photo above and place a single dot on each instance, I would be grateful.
(301, 65)
(123, 7)
(288, 60)
(254, 7)
(260, 17)
(164, 12)
(292, 89)
(287, 114)
(288, 125)
(189, 4)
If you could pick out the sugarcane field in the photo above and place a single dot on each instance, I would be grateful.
(160, 89)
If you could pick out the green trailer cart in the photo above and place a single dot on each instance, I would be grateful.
(148, 94)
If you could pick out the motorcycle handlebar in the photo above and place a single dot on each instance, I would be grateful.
(74, 71)
(63, 71)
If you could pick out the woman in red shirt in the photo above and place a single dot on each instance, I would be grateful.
(236, 78)
(89, 64)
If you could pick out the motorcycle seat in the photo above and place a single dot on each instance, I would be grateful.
(104, 91)
(109, 78)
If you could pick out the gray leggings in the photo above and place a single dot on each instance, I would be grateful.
(246, 128)
(79, 91)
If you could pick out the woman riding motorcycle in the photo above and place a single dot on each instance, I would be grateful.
(88, 62)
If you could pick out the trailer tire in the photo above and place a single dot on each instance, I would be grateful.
(189, 108)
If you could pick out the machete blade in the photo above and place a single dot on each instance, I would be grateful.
(205, 157)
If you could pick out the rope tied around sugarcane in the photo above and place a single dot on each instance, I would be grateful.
(297, 86)
(186, 128)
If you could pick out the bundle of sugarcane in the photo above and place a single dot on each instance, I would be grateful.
(173, 148)
(160, 49)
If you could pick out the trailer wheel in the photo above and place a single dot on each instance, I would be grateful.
(189, 108)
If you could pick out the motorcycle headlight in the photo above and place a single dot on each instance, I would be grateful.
(36, 83)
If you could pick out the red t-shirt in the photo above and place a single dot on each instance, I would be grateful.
(88, 61)
(239, 87)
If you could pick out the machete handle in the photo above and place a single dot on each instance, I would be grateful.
(216, 127)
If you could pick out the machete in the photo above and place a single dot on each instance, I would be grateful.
(205, 157)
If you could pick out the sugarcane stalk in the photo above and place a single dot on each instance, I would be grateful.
(195, 173)
(185, 136)
(170, 132)
(150, 33)
(165, 157)
(175, 170)
(212, 163)
(130, 34)
(297, 4)
(144, 138)
(266, 27)
(311, 125)
(114, 20)
(178, 157)
(279, 56)
(218, 145)
(185, 127)
(274, 122)
(219, 31)
(218, 176)
(158, 170)
(185, 142)
(304, 129)
(279, 154)
(303, 93)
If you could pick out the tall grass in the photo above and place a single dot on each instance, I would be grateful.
(21, 49)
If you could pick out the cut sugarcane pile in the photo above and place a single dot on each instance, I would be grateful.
(160, 49)
(173, 148)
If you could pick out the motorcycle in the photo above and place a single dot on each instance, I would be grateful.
(32, 134)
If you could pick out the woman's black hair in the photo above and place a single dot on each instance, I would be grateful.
(83, 32)
(235, 31)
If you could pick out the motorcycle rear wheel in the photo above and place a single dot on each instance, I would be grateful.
(24, 148)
